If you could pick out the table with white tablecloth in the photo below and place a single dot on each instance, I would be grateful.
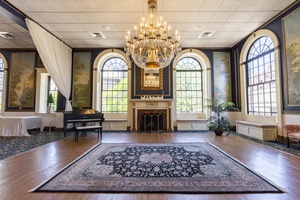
(18, 125)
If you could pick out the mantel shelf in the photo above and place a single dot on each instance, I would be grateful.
(149, 100)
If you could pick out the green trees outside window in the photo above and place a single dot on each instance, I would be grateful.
(114, 86)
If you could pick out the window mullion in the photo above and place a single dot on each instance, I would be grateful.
(258, 86)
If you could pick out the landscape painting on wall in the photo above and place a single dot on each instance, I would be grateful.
(81, 79)
(222, 77)
(291, 32)
(22, 80)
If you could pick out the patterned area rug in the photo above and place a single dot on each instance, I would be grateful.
(11, 146)
(177, 168)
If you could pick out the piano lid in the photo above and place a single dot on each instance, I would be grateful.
(82, 112)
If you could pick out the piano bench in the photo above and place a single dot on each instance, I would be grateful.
(88, 128)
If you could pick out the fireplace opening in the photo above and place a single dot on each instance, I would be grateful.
(152, 121)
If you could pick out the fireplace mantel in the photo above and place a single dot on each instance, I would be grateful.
(146, 100)
(152, 104)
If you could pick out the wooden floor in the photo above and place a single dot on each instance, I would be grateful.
(25, 171)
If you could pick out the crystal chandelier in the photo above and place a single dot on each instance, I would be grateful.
(152, 46)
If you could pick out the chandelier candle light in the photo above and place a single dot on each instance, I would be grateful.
(152, 46)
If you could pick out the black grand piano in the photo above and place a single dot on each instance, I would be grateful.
(82, 117)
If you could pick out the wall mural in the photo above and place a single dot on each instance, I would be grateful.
(22, 80)
(291, 32)
(81, 92)
(222, 76)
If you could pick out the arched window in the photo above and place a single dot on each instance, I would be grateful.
(114, 85)
(189, 86)
(1, 81)
(261, 78)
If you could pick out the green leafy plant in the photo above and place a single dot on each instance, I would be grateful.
(50, 99)
(218, 122)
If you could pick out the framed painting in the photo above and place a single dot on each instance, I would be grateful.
(291, 30)
(222, 76)
(151, 79)
(21, 94)
(40, 62)
(81, 91)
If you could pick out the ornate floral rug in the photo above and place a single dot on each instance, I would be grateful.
(176, 168)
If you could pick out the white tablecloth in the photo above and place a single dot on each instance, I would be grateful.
(18, 125)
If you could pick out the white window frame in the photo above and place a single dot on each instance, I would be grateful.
(4, 86)
(206, 80)
(276, 120)
(193, 91)
(98, 63)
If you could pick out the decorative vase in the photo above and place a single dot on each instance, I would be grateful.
(218, 131)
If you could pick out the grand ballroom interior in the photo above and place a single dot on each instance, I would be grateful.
(151, 69)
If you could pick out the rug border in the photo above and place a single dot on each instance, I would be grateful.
(64, 168)
(263, 178)
(256, 173)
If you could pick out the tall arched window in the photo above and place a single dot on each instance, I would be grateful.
(189, 86)
(260, 78)
(114, 86)
(1, 81)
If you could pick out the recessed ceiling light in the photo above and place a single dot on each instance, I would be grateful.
(206, 34)
(98, 35)
(197, 27)
(106, 28)
(6, 35)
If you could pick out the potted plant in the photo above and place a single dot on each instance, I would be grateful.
(218, 122)
(50, 100)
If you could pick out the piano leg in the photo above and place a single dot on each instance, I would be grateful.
(65, 131)
(76, 135)
(99, 133)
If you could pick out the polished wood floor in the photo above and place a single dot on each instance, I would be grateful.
(25, 171)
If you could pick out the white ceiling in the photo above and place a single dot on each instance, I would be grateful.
(73, 21)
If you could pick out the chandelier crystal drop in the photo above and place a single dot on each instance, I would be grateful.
(152, 46)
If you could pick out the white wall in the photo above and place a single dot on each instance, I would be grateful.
(291, 119)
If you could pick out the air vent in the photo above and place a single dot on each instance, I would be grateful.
(6, 35)
(98, 35)
(206, 34)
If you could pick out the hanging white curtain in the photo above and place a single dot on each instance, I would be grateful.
(56, 57)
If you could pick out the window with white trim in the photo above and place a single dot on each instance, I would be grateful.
(54, 91)
(260, 78)
(114, 86)
(189, 86)
(1, 81)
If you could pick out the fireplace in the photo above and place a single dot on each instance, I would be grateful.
(151, 114)
(152, 120)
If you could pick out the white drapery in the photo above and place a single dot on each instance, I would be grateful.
(56, 57)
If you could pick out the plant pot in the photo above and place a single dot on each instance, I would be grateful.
(49, 109)
(218, 131)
